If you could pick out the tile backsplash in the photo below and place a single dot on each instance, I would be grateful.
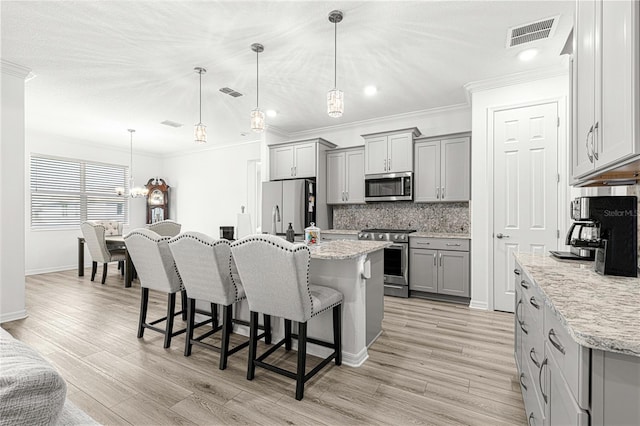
(424, 217)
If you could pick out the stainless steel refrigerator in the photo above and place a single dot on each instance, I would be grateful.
(288, 201)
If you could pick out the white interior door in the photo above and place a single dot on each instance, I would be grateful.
(525, 190)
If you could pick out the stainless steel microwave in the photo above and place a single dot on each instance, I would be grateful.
(389, 187)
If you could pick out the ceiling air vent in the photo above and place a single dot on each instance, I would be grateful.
(539, 30)
(231, 92)
(171, 123)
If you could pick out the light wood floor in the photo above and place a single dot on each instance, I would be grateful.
(435, 363)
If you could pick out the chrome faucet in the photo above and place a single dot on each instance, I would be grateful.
(275, 217)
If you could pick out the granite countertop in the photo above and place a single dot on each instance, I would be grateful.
(440, 235)
(600, 312)
(345, 249)
(340, 231)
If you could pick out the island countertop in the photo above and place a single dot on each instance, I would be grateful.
(345, 249)
(599, 312)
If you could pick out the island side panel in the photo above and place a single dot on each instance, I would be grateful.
(375, 296)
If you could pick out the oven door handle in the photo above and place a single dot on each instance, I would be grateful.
(394, 286)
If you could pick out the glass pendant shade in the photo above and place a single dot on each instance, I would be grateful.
(335, 103)
(257, 120)
(138, 191)
(201, 133)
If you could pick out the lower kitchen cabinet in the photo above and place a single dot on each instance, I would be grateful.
(562, 408)
(442, 268)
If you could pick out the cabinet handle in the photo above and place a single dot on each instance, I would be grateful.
(342, 195)
(440, 259)
(454, 245)
(385, 164)
(587, 144)
(531, 353)
(434, 259)
(540, 380)
(534, 303)
(295, 170)
(522, 384)
(425, 243)
(442, 193)
(389, 168)
(516, 271)
(524, 284)
(555, 343)
(438, 192)
(291, 171)
(530, 418)
(347, 196)
(517, 314)
(594, 143)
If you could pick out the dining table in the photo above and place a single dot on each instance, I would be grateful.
(112, 241)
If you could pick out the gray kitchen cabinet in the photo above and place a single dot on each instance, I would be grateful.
(442, 169)
(293, 161)
(605, 91)
(389, 152)
(345, 176)
(561, 407)
(439, 266)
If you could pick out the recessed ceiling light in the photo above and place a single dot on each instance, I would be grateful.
(527, 55)
(370, 90)
(271, 113)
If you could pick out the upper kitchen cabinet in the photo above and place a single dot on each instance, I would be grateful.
(442, 169)
(295, 160)
(345, 176)
(389, 152)
(606, 92)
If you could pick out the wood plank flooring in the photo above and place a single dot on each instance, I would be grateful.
(435, 363)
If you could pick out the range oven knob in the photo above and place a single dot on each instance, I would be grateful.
(402, 237)
(380, 236)
(395, 237)
(361, 235)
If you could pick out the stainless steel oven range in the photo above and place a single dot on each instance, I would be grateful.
(396, 258)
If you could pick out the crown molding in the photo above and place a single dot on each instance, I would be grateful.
(183, 153)
(14, 69)
(377, 120)
(516, 78)
(277, 131)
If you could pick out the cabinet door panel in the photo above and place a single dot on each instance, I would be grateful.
(454, 176)
(427, 172)
(335, 178)
(400, 153)
(305, 160)
(453, 273)
(582, 161)
(561, 407)
(375, 155)
(354, 178)
(281, 163)
(423, 270)
(617, 133)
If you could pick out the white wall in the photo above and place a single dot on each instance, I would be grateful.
(12, 290)
(434, 122)
(57, 250)
(483, 102)
(210, 186)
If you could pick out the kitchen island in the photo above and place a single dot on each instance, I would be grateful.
(355, 268)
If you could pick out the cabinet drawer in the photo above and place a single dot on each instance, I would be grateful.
(572, 359)
(452, 244)
(533, 401)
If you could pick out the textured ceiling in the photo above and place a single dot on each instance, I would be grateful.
(104, 66)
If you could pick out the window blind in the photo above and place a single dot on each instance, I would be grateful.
(65, 192)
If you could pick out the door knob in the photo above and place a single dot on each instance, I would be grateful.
(501, 236)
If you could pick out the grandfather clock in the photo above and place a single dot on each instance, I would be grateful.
(157, 200)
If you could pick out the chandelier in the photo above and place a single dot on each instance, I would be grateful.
(134, 191)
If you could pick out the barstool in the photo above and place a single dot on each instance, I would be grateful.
(275, 276)
(208, 273)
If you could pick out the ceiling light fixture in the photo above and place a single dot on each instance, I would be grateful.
(134, 191)
(201, 129)
(527, 55)
(257, 116)
(335, 97)
(370, 90)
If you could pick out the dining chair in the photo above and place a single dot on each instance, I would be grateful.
(208, 274)
(157, 271)
(94, 236)
(275, 276)
(166, 228)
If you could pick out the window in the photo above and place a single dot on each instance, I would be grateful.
(66, 192)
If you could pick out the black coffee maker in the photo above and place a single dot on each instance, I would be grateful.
(606, 229)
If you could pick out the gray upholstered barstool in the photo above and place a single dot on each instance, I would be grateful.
(94, 236)
(275, 276)
(208, 273)
(166, 228)
(157, 271)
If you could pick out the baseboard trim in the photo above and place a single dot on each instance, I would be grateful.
(48, 270)
(475, 304)
(13, 316)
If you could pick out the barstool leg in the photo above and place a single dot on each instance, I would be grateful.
(287, 334)
(253, 345)
(144, 302)
(191, 317)
(171, 310)
(337, 333)
(226, 330)
(104, 272)
(183, 295)
(94, 269)
(267, 329)
(302, 358)
(214, 315)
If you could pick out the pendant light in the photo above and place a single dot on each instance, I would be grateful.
(201, 129)
(335, 97)
(257, 116)
(134, 191)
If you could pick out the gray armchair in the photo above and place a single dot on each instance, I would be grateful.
(94, 237)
